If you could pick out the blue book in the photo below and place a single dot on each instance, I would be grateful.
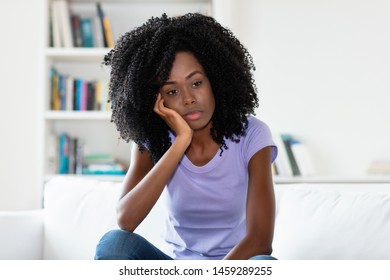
(62, 91)
(63, 164)
(87, 32)
(78, 94)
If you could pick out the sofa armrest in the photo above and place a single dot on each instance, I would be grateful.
(21, 235)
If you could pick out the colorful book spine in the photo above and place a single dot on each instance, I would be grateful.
(87, 32)
(65, 26)
(76, 31)
(63, 153)
(69, 93)
(55, 95)
(106, 27)
(78, 94)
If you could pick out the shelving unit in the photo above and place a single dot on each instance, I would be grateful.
(94, 127)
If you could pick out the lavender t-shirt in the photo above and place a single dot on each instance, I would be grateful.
(206, 205)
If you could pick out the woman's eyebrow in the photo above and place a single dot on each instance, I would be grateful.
(193, 73)
(189, 76)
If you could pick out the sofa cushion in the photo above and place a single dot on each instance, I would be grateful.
(21, 235)
(332, 223)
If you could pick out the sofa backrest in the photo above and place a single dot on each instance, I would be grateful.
(313, 221)
(332, 221)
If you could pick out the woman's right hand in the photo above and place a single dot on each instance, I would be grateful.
(173, 119)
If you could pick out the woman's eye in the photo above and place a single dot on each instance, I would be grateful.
(172, 92)
(196, 84)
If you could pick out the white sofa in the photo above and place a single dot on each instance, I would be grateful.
(314, 221)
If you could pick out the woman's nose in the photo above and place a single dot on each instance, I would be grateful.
(188, 97)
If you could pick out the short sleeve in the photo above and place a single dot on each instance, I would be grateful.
(258, 136)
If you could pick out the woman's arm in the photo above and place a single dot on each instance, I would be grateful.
(260, 209)
(144, 182)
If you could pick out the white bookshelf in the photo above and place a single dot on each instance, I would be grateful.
(94, 127)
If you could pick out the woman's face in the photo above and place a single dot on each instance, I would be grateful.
(188, 91)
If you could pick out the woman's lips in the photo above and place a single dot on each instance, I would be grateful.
(192, 116)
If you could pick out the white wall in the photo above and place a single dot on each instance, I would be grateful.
(19, 82)
(323, 70)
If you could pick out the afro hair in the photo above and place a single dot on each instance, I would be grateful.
(142, 59)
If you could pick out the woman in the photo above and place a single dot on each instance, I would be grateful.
(182, 89)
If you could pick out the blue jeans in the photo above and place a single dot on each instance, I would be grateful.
(124, 245)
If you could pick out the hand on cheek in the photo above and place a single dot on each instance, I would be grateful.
(171, 117)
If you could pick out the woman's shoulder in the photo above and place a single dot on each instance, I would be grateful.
(258, 135)
(255, 124)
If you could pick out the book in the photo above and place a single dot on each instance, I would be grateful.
(52, 155)
(303, 158)
(288, 140)
(282, 162)
(76, 31)
(55, 102)
(98, 32)
(87, 32)
(69, 93)
(106, 27)
(79, 155)
(65, 27)
(101, 20)
(62, 91)
(63, 146)
(55, 26)
(78, 94)
(72, 156)
(91, 96)
(84, 95)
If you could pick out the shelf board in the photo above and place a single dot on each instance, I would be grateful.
(76, 54)
(111, 178)
(77, 115)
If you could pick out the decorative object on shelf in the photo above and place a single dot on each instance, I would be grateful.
(379, 167)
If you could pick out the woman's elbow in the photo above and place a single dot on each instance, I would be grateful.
(125, 222)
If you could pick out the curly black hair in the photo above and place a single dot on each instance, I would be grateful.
(142, 59)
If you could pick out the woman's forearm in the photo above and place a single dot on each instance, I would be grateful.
(134, 206)
(247, 248)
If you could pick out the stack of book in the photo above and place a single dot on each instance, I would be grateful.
(102, 164)
(70, 30)
(379, 167)
(69, 93)
(66, 156)
(294, 158)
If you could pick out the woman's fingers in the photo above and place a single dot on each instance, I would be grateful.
(171, 117)
(159, 106)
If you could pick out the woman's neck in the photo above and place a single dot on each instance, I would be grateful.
(202, 148)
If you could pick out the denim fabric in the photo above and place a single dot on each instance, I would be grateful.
(263, 257)
(124, 245)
